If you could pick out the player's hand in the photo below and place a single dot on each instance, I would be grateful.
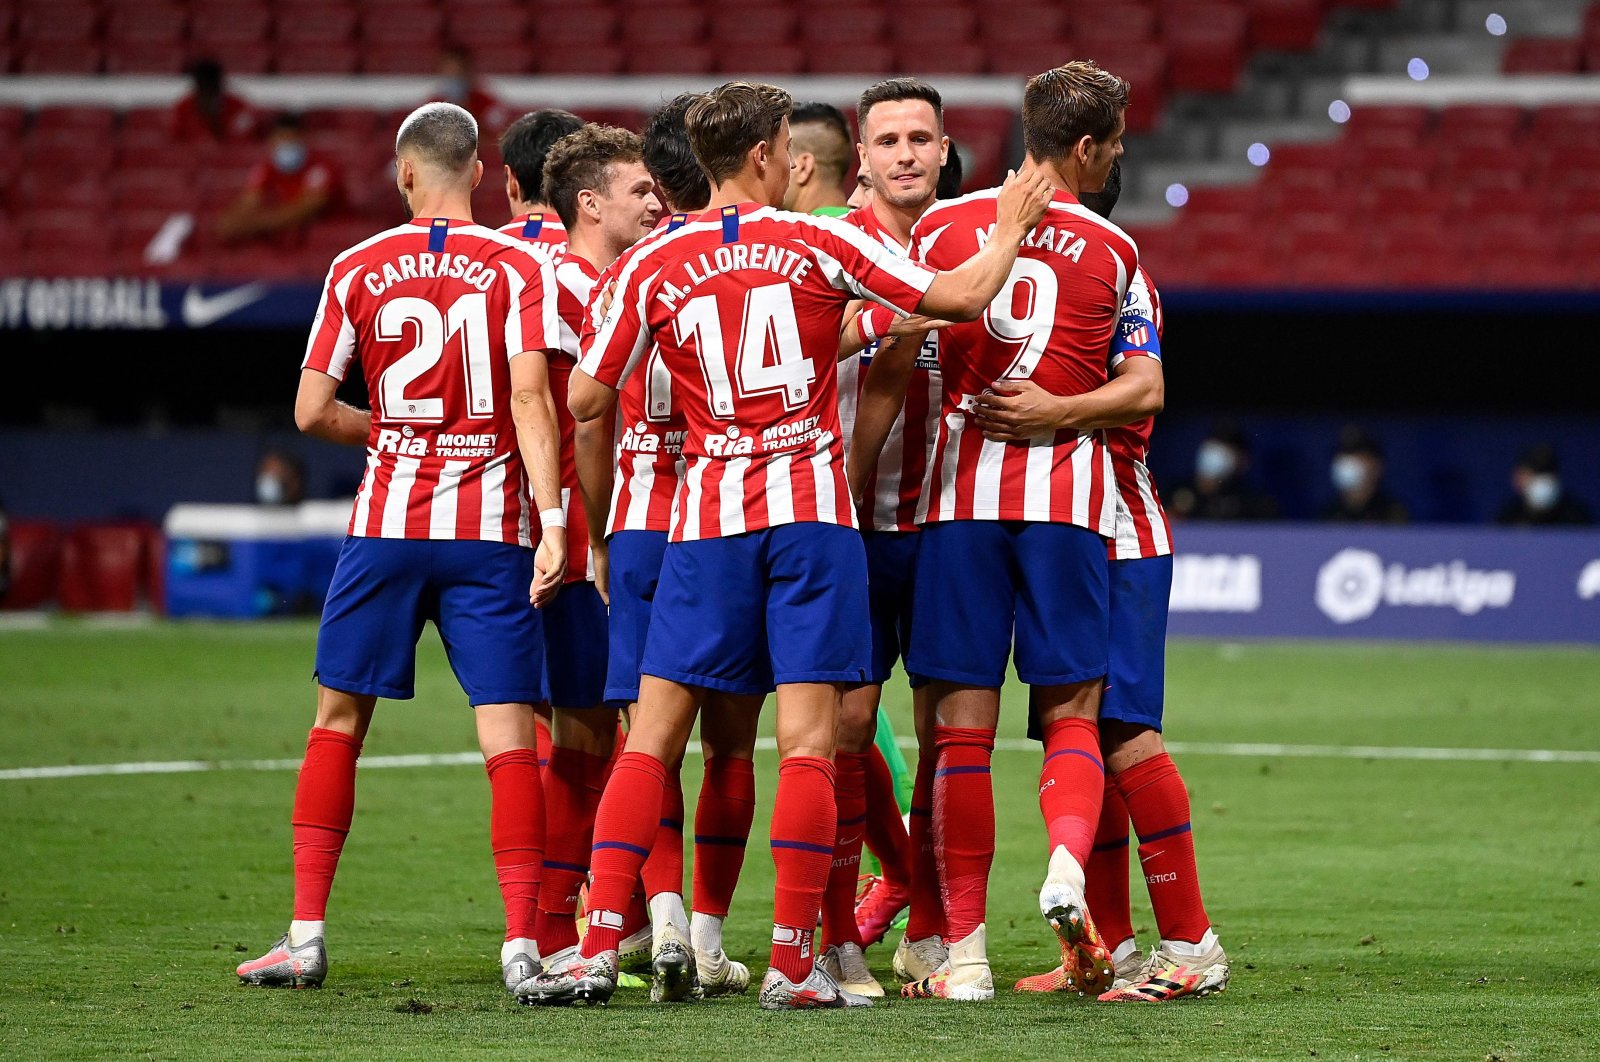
(1024, 197)
(916, 324)
(1018, 409)
(600, 560)
(549, 567)
(606, 295)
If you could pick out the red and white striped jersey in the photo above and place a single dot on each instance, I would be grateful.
(745, 304)
(433, 311)
(543, 232)
(1142, 526)
(1052, 323)
(575, 280)
(896, 484)
(650, 426)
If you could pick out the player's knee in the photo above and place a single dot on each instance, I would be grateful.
(344, 713)
(1125, 744)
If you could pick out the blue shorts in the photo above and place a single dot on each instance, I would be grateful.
(891, 574)
(476, 593)
(746, 613)
(1136, 681)
(978, 581)
(635, 569)
(575, 647)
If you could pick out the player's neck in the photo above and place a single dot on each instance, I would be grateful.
(590, 244)
(1060, 173)
(898, 221)
(452, 203)
(813, 197)
(737, 190)
(522, 208)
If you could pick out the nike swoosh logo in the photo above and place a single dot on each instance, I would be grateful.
(202, 311)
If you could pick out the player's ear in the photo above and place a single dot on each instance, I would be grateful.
(513, 189)
(404, 174)
(477, 171)
(1083, 150)
(805, 165)
(944, 150)
(589, 203)
(761, 155)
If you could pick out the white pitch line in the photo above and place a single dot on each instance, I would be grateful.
(1198, 748)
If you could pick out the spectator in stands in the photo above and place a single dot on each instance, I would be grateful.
(280, 478)
(1540, 498)
(1219, 490)
(286, 191)
(459, 84)
(211, 113)
(950, 178)
(821, 157)
(1357, 474)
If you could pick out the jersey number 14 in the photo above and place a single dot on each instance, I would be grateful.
(769, 360)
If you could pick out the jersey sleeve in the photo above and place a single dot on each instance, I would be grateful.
(533, 322)
(332, 344)
(942, 240)
(1137, 335)
(854, 262)
(622, 336)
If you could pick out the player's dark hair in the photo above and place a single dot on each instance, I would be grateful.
(1064, 105)
(894, 90)
(728, 121)
(583, 160)
(441, 134)
(526, 142)
(950, 175)
(1104, 201)
(830, 142)
(670, 159)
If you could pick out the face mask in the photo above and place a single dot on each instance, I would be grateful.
(1215, 460)
(1542, 492)
(288, 157)
(269, 490)
(1348, 472)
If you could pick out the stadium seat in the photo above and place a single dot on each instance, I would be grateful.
(404, 26)
(762, 24)
(760, 59)
(62, 57)
(145, 23)
(104, 567)
(392, 58)
(851, 25)
(671, 59)
(1025, 60)
(1124, 23)
(1565, 123)
(1001, 26)
(593, 60)
(59, 23)
(35, 564)
(932, 22)
(985, 134)
(954, 57)
(1205, 46)
(661, 25)
(319, 24)
(481, 27)
(504, 57)
(223, 27)
(1479, 124)
(571, 28)
(1543, 55)
(147, 57)
(1284, 25)
(316, 58)
(863, 60)
(1389, 124)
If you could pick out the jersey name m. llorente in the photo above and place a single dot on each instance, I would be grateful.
(543, 233)
(1052, 323)
(1142, 526)
(896, 484)
(745, 304)
(433, 311)
(651, 427)
(575, 281)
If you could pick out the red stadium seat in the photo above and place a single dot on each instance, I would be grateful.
(1125, 23)
(504, 57)
(852, 25)
(1392, 124)
(133, 24)
(147, 57)
(985, 134)
(756, 24)
(404, 26)
(240, 57)
(656, 26)
(1323, 259)
(954, 57)
(1543, 55)
(759, 59)
(104, 567)
(317, 24)
(575, 27)
(932, 22)
(1480, 124)
(1566, 123)
(222, 27)
(358, 123)
(1285, 25)
(62, 57)
(59, 23)
(672, 59)
(1005, 25)
(865, 60)
(481, 27)
(314, 58)
(35, 564)
(1025, 60)
(588, 59)
(1205, 46)
(395, 58)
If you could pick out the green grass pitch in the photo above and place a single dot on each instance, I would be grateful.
(1373, 907)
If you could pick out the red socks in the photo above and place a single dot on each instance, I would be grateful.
(926, 918)
(804, 819)
(573, 783)
(624, 829)
(1071, 783)
(663, 870)
(516, 835)
(1158, 803)
(324, 803)
(839, 901)
(886, 833)
(721, 828)
(1107, 870)
(963, 824)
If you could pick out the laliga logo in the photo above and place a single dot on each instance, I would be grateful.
(1589, 581)
(1354, 583)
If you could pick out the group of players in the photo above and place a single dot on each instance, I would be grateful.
(731, 450)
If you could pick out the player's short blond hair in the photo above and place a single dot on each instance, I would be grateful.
(440, 134)
(728, 121)
(586, 159)
(1062, 106)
